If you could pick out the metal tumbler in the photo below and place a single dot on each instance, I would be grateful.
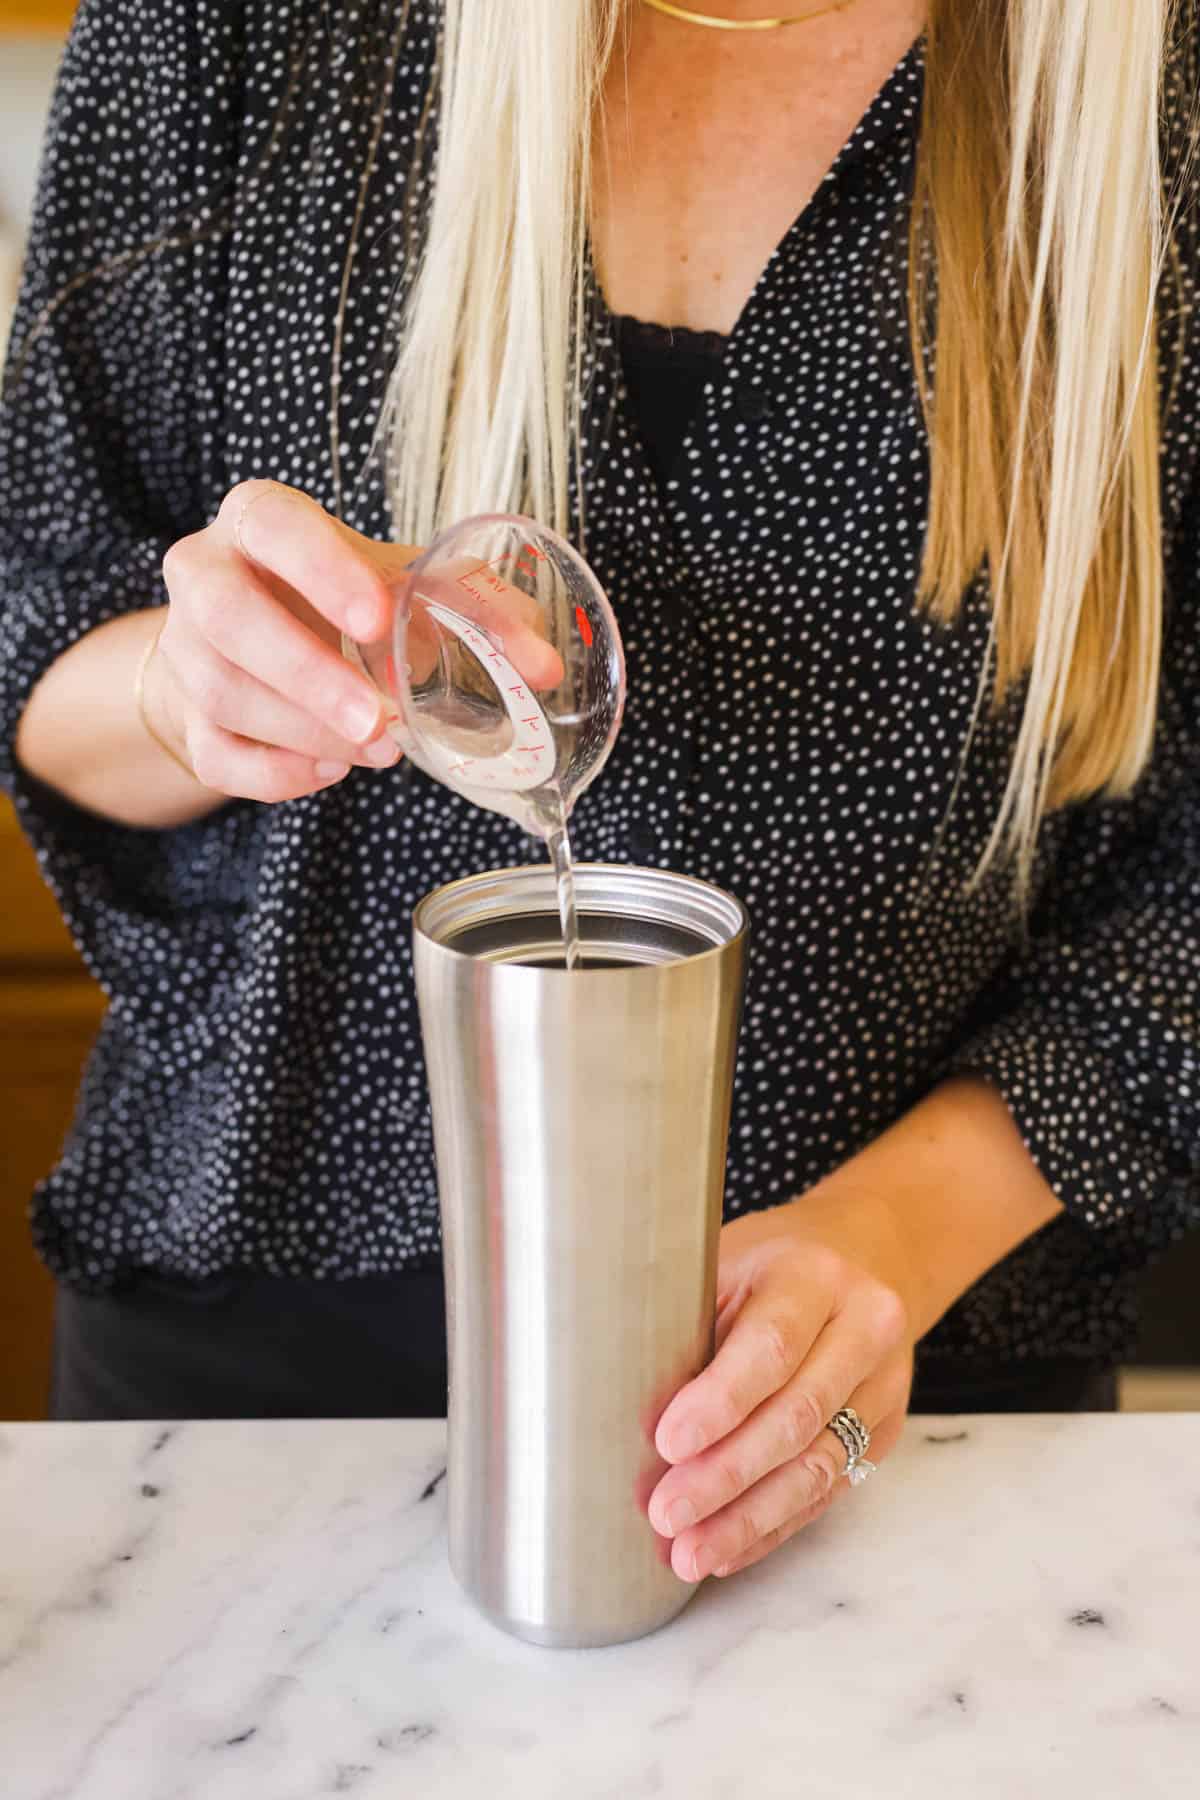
(581, 1122)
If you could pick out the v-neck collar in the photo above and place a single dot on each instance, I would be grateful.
(884, 116)
(895, 106)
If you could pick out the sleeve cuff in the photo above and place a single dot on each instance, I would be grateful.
(1113, 1175)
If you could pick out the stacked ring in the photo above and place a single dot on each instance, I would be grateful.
(855, 1440)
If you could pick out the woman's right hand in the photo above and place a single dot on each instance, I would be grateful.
(248, 685)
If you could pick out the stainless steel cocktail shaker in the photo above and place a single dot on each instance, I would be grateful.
(581, 1123)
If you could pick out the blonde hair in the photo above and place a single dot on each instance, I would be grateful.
(484, 399)
(1038, 218)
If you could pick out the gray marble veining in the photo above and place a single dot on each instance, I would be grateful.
(264, 1612)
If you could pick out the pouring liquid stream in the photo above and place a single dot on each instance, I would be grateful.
(504, 678)
(558, 843)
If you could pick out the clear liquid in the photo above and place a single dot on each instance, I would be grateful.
(558, 843)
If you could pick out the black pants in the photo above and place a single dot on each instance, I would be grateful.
(252, 1347)
(262, 1347)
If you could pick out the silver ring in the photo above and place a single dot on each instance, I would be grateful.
(855, 1440)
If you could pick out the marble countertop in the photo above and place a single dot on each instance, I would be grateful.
(264, 1612)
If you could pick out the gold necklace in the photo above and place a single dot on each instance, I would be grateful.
(717, 24)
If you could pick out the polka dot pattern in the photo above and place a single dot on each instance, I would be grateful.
(257, 1098)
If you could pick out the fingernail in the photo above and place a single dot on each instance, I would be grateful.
(362, 623)
(383, 752)
(359, 718)
(702, 1563)
(722, 1570)
(332, 771)
(680, 1515)
(687, 1440)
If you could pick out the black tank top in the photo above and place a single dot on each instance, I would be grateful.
(665, 369)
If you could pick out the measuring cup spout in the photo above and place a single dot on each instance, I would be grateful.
(503, 673)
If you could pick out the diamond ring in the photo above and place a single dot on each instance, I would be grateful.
(855, 1440)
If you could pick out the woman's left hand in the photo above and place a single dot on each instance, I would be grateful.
(804, 1327)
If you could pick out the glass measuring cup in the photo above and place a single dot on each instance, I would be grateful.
(503, 674)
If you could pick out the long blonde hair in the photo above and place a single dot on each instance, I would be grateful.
(1039, 220)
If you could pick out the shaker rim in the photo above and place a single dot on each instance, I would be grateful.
(688, 904)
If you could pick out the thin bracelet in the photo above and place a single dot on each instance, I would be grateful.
(139, 692)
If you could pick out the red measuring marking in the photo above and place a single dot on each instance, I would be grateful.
(534, 555)
(584, 624)
(484, 571)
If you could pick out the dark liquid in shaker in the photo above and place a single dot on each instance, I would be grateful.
(560, 962)
(611, 940)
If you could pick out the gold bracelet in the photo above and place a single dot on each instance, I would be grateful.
(139, 692)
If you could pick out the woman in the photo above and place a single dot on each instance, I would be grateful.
(267, 341)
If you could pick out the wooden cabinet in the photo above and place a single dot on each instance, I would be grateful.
(49, 1012)
(35, 17)
(49, 1006)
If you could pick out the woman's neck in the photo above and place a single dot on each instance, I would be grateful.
(713, 142)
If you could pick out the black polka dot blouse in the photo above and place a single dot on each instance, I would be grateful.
(256, 1098)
